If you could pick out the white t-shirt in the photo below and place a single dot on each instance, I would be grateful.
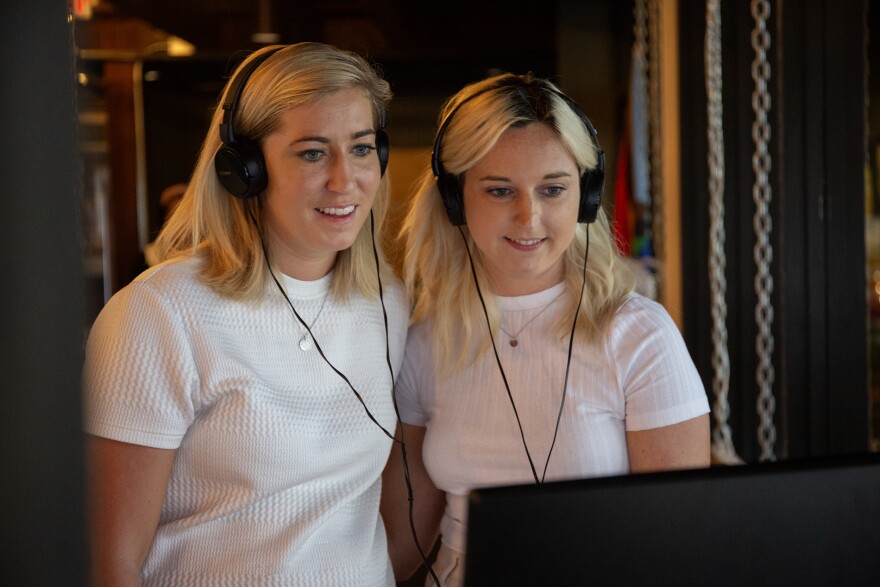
(277, 474)
(640, 377)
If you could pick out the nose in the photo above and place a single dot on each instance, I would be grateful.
(339, 177)
(525, 210)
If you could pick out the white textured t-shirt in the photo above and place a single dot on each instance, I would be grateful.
(640, 377)
(276, 479)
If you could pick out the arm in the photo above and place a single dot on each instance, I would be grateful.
(680, 446)
(126, 488)
(428, 504)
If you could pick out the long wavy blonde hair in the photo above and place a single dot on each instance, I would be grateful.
(436, 268)
(212, 224)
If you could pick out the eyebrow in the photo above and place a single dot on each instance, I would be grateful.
(555, 175)
(325, 140)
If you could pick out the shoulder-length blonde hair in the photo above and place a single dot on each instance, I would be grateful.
(214, 225)
(436, 267)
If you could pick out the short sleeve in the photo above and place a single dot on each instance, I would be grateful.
(140, 379)
(660, 382)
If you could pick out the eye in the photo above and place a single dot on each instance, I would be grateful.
(499, 192)
(363, 150)
(311, 155)
(554, 191)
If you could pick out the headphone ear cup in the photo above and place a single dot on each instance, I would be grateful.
(592, 183)
(382, 149)
(453, 199)
(591, 195)
(241, 169)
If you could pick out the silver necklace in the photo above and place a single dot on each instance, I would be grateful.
(306, 343)
(513, 337)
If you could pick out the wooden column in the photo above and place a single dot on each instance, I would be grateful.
(125, 252)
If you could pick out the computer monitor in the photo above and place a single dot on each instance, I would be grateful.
(811, 522)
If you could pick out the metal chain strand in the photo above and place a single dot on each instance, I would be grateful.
(655, 118)
(763, 226)
(723, 451)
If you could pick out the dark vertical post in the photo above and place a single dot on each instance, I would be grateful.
(41, 496)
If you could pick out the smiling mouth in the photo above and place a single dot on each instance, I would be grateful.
(525, 242)
(337, 211)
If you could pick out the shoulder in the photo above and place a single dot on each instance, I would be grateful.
(640, 318)
(167, 288)
(637, 309)
(177, 281)
(169, 274)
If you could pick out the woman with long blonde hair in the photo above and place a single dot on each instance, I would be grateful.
(530, 357)
(238, 395)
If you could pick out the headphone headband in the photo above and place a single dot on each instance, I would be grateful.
(591, 181)
(233, 94)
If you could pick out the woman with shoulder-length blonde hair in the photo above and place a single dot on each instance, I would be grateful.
(238, 394)
(530, 357)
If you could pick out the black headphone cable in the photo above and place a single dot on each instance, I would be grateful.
(309, 330)
(501, 369)
(227, 136)
(402, 442)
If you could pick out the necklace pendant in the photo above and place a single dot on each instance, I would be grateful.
(305, 343)
(513, 342)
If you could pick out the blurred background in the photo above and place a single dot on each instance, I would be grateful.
(151, 74)
(705, 111)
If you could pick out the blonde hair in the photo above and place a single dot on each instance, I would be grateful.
(436, 268)
(218, 227)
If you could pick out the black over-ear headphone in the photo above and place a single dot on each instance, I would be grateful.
(239, 162)
(591, 181)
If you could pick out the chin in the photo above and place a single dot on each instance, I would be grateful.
(339, 245)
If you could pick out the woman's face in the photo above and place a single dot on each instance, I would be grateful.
(323, 177)
(521, 202)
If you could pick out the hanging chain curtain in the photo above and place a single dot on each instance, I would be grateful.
(723, 451)
(763, 225)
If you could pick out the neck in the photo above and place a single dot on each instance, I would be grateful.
(300, 266)
(523, 289)
(305, 270)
